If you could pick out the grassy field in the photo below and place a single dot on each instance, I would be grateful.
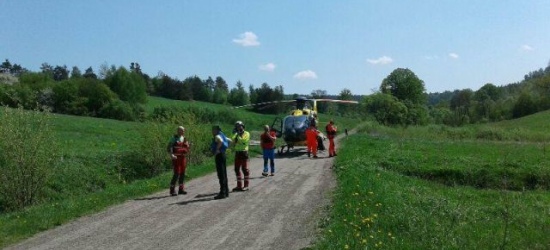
(91, 175)
(427, 188)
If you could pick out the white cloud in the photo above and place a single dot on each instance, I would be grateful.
(431, 57)
(267, 67)
(247, 39)
(526, 47)
(382, 60)
(306, 74)
(453, 55)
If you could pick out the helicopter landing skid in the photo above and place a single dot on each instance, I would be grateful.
(281, 151)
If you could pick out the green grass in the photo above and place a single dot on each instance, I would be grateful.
(88, 179)
(419, 189)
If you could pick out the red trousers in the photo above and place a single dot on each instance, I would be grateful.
(241, 164)
(331, 147)
(179, 165)
(312, 146)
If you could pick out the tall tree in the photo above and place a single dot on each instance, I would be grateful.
(76, 73)
(198, 89)
(221, 91)
(47, 69)
(460, 104)
(89, 73)
(60, 73)
(5, 67)
(238, 95)
(221, 84)
(253, 96)
(405, 85)
(345, 94)
(209, 86)
(129, 86)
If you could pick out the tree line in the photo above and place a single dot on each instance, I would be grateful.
(402, 100)
(117, 92)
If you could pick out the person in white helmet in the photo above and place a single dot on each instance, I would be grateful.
(241, 140)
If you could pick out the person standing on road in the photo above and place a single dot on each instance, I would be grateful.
(178, 147)
(218, 146)
(241, 140)
(311, 139)
(331, 133)
(267, 142)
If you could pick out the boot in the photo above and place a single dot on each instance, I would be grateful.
(181, 190)
(239, 186)
(221, 196)
(173, 191)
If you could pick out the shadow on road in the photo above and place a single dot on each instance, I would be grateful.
(205, 195)
(193, 201)
(152, 198)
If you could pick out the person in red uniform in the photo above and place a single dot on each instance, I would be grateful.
(331, 133)
(311, 138)
(178, 148)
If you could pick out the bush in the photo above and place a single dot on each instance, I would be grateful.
(27, 153)
(148, 157)
(119, 110)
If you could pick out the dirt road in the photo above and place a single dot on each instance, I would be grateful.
(278, 212)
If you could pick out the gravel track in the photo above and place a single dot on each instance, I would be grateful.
(279, 212)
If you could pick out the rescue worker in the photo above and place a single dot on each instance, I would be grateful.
(267, 142)
(218, 146)
(331, 133)
(178, 148)
(241, 139)
(314, 120)
(311, 138)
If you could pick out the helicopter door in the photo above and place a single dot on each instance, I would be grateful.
(277, 126)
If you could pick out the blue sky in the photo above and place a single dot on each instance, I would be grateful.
(301, 45)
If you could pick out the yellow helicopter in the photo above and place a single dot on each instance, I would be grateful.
(292, 128)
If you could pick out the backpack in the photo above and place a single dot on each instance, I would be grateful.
(225, 143)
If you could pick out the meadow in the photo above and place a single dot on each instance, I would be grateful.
(102, 162)
(474, 187)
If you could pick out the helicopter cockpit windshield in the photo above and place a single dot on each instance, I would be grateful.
(296, 122)
(294, 127)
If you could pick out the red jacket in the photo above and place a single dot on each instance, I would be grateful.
(331, 131)
(311, 134)
(266, 142)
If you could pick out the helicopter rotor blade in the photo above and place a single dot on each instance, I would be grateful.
(263, 103)
(337, 101)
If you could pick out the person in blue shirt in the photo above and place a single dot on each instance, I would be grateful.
(218, 146)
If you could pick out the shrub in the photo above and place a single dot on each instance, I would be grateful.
(119, 110)
(491, 134)
(27, 153)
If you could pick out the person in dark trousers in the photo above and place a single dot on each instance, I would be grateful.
(178, 147)
(219, 144)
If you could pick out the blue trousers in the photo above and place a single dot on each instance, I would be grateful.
(269, 154)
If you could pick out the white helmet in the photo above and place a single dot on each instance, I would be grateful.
(239, 123)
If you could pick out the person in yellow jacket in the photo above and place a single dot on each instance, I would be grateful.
(241, 140)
